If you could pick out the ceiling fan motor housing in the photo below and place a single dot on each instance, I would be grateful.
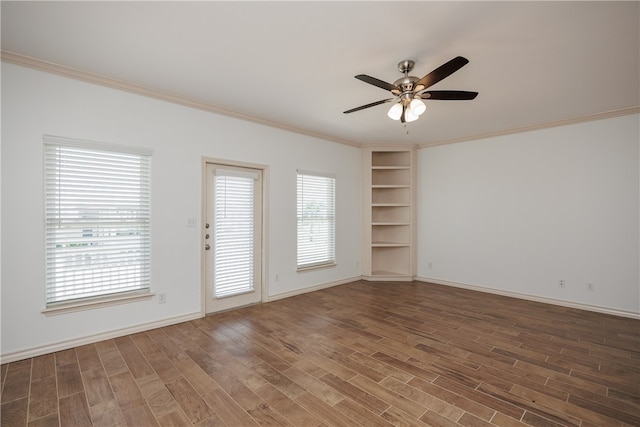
(407, 82)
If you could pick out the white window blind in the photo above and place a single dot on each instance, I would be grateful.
(316, 220)
(234, 232)
(97, 214)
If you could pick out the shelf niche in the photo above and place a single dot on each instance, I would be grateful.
(391, 159)
(391, 262)
(390, 235)
(391, 177)
(391, 196)
(391, 214)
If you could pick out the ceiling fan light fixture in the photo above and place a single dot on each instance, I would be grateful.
(410, 116)
(417, 107)
(395, 112)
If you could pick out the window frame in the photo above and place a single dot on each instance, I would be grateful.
(105, 298)
(330, 261)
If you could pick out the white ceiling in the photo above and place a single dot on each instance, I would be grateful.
(293, 63)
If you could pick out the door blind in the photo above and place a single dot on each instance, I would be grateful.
(97, 214)
(234, 232)
(316, 220)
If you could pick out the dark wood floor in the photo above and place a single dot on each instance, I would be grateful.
(365, 353)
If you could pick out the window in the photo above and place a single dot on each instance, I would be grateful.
(316, 220)
(97, 214)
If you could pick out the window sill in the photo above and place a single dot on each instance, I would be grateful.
(315, 267)
(73, 307)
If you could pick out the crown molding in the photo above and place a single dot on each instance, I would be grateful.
(97, 79)
(571, 121)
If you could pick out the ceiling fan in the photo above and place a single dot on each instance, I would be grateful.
(409, 91)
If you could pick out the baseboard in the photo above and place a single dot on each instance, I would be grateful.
(311, 289)
(587, 307)
(76, 342)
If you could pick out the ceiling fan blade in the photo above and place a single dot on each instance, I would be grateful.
(443, 71)
(453, 95)
(379, 83)
(373, 104)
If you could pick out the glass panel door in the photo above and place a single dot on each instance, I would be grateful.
(233, 237)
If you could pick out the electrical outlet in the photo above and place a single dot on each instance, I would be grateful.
(591, 287)
(561, 283)
(162, 297)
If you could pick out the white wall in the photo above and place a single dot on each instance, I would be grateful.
(36, 103)
(517, 213)
(513, 213)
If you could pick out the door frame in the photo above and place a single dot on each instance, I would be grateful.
(264, 252)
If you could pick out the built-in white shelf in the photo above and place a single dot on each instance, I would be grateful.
(389, 248)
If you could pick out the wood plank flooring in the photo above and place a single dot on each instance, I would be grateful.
(364, 353)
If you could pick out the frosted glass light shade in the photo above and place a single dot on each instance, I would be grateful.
(409, 116)
(395, 112)
(417, 107)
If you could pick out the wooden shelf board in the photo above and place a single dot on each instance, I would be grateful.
(388, 273)
(390, 167)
